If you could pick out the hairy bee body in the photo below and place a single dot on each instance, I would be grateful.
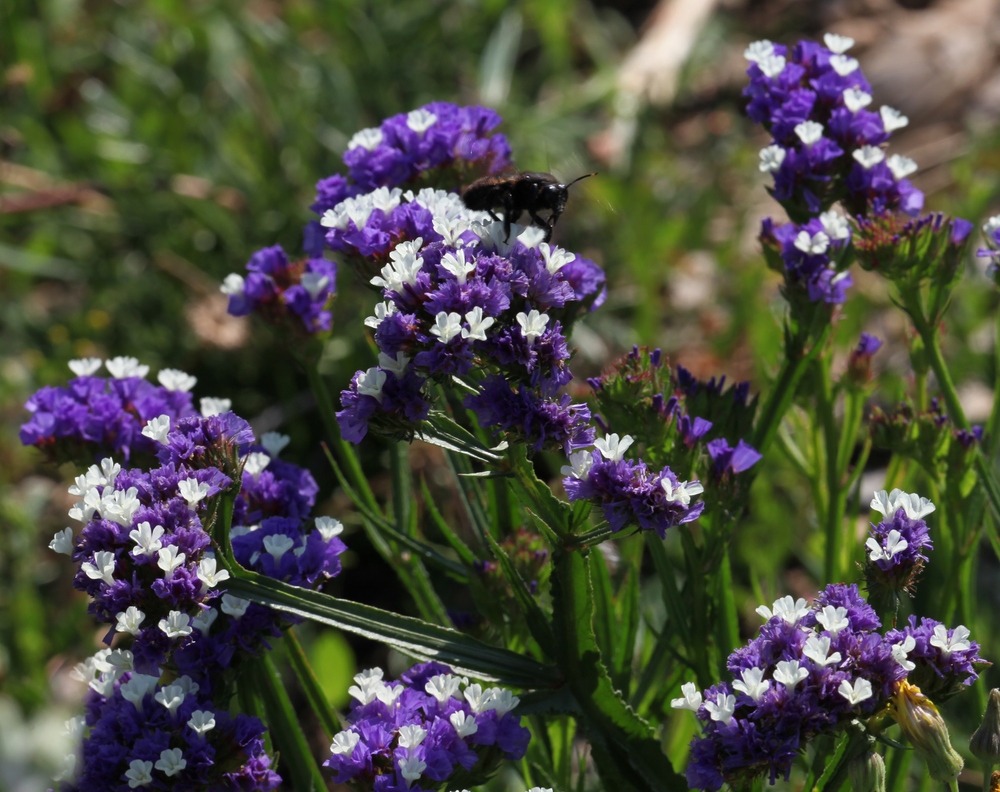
(516, 193)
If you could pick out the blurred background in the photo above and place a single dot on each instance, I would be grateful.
(147, 149)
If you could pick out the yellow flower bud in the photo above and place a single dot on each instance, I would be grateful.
(926, 730)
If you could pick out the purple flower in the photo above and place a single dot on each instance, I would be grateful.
(418, 732)
(729, 460)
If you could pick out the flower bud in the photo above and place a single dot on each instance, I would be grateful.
(985, 741)
(867, 773)
(926, 730)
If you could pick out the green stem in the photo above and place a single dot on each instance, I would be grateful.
(310, 684)
(834, 502)
(780, 398)
(342, 450)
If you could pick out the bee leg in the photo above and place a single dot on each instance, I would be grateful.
(547, 224)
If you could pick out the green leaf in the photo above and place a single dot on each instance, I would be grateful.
(408, 635)
(556, 514)
(316, 691)
(285, 729)
(460, 547)
(625, 747)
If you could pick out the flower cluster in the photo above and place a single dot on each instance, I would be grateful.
(626, 491)
(815, 667)
(95, 416)
(145, 556)
(480, 307)
(826, 147)
(278, 289)
(896, 545)
(418, 733)
(157, 734)
(991, 234)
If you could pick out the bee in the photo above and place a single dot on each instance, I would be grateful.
(516, 193)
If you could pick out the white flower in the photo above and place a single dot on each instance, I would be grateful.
(843, 64)
(835, 225)
(813, 245)
(612, 447)
(277, 545)
(957, 642)
(314, 283)
(758, 50)
(119, 506)
(171, 761)
(255, 463)
(344, 742)
(683, 492)
(234, 606)
(833, 619)
(901, 166)
(388, 694)
(233, 285)
(464, 724)
(868, 156)
(752, 683)
(580, 463)
(62, 542)
(894, 543)
(411, 768)
(456, 264)
(809, 132)
(532, 324)
(838, 44)
(365, 138)
(555, 257)
(137, 687)
(855, 99)
(382, 310)
(103, 567)
(147, 539)
(420, 120)
(888, 503)
(722, 708)
(192, 490)
(789, 674)
(370, 383)
(772, 65)
(479, 700)
(85, 367)
(157, 429)
(329, 527)
(396, 364)
(817, 649)
(209, 574)
(860, 691)
(176, 625)
(403, 267)
(892, 119)
(791, 611)
(990, 227)
(139, 773)
(171, 697)
(203, 621)
(442, 687)
(690, 698)
(771, 158)
(274, 442)
(201, 721)
(902, 650)
(169, 559)
(532, 237)
(447, 326)
(411, 736)
(124, 367)
(176, 380)
(129, 620)
(75, 727)
(502, 701)
(478, 324)
(210, 406)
